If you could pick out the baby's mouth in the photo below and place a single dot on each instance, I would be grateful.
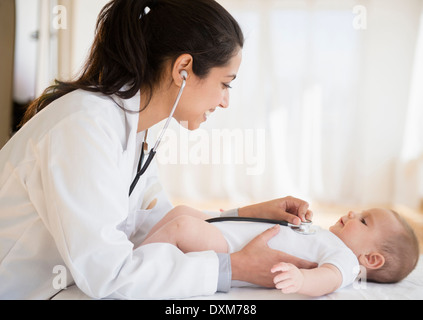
(341, 222)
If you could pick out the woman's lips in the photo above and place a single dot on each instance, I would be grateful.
(208, 113)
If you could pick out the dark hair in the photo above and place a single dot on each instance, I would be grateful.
(131, 46)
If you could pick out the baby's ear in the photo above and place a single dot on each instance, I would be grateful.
(372, 260)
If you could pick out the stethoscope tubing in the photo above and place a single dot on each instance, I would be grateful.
(249, 219)
(143, 168)
(304, 228)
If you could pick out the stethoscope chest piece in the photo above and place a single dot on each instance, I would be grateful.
(305, 228)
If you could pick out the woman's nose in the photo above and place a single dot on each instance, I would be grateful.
(225, 101)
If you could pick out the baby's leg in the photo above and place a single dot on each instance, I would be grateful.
(176, 212)
(190, 234)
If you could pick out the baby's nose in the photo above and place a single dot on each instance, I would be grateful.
(351, 214)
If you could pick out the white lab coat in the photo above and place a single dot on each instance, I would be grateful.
(64, 205)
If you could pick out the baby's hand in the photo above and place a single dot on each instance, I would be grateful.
(290, 279)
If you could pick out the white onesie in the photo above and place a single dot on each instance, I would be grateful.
(322, 247)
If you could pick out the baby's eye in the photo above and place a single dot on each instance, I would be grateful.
(363, 221)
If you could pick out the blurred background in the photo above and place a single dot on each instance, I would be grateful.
(327, 106)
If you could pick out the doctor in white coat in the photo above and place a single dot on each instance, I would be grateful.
(65, 175)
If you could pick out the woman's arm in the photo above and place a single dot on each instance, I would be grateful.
(85, 199)
(289, 209)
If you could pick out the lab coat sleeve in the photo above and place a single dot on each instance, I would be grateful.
(86, 198)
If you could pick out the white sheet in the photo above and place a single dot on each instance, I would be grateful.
(410, 288)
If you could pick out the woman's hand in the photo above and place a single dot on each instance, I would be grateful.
(255, 261)
(289, 209)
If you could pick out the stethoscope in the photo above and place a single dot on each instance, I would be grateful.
(143, 168)
(304, 228)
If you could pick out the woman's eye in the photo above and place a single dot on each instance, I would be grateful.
(226, 86)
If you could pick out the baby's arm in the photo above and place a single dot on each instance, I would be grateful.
(314, 282)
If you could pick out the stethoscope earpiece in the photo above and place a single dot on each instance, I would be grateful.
(184, 74)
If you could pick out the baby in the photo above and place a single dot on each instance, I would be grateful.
(377, 239)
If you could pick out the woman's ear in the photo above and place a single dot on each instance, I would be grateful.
(183, 63)
(372, 260)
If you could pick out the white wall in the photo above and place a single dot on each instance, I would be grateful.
(25, 50)
(387, 64)
(83, 17)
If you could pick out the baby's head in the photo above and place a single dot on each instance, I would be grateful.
(383, 242)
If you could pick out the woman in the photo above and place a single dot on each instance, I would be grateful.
(65, 176)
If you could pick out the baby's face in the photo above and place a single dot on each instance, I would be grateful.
(363, 231)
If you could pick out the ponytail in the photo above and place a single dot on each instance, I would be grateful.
(134, 38)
